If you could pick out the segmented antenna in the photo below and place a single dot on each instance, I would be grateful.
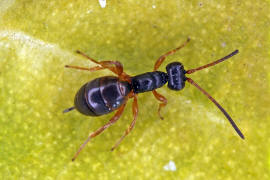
(212, 63)
(219, 106)
(210, 97)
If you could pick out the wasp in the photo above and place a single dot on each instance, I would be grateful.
(106, 94)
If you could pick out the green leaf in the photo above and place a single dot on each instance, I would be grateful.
(38, 38)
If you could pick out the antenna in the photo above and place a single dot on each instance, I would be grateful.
(219, 106)
(210, 97)
(212, 63)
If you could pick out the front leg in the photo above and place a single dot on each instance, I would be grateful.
(162, 58)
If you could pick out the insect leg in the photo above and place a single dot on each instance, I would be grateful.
(118, 69)
(135, 113)
(161, 99)
(114, 66)
(96, 68)
(101, 129)
(162, 58)
(87, 57)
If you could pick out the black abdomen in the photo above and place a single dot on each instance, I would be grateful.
(148, 81)
(101, 96)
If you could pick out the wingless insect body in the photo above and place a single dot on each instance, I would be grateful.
(109, 93)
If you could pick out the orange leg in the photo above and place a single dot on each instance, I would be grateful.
(96, 68)
(162, 58)
(161, 99)
(118, 69)
(101, 129)
(135, 113)
(114, 66)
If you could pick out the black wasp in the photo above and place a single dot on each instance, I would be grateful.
(109, 93)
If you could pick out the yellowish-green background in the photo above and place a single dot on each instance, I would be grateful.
(37, 38)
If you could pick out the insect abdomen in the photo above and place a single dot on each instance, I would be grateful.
(101, 96)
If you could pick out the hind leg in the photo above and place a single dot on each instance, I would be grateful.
(135, 113)
(114, 66)
(96, 68)
(101, 129)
